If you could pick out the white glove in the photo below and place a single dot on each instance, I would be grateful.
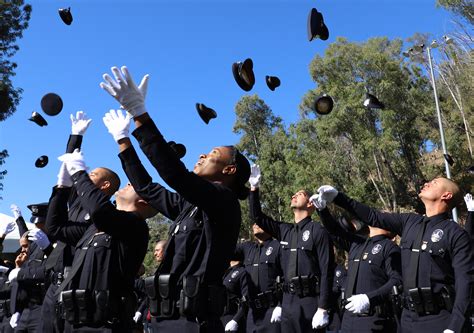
(317, 202)
(15, 211)
(80, 123)
(38, 236)
(4, 269)
(327, 193)
(74, 162)
(469, 202)
(63, 176)
(117, 123)
(448, 331)
(125, 91)
(255, 175)
(15, 319)
(137, 316)
(6, 228)
(276, 315)
(358, 304)
(13, 274)
(320, 319)
(231, 326)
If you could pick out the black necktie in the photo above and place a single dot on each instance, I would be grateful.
(354, 271)
(255, 265)
(412, 271)
(293, 260)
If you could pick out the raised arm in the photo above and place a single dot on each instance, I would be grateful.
(263, 221)
(469, 226)
(324, 250)
(342, 238)
(20, 221)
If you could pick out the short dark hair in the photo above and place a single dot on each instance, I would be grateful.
(113, 179)
(242, 174)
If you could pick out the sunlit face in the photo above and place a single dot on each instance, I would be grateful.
(210, 165)
(126, 194)
(97, 176)
(299, 200)
(433, 190)
(158, 252)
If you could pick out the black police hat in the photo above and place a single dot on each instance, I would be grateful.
(323, 104)
(51, 104)
(42, 161)
(471, 169)
(38, 119)
(243, 74)
(205, 113)
(372, 102)
(316, 26)
(449, 159)
(65, 14)
(178, 148)
(272, 82)
(38, 212)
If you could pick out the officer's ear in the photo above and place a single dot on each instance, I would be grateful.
(230, 169)
(105, 185)
(446, 196)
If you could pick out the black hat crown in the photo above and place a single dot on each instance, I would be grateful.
(51, 104)
(65, 14)
(272, 82)
(205, 113)
(316, 26)
(243, 74)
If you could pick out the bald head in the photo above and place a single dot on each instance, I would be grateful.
(441, 191)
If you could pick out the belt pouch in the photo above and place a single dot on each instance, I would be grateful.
(189, 300)
(68, 305)
(102, 305)
(417, 301)
(447, 294)
(150, 289)
(428, 301)
(296, 282)
(83, 304)
(165, 292)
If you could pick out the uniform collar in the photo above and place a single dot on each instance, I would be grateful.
(301, 224)
(377, 238)
(438, 218)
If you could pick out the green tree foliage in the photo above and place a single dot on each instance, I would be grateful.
(158, 226)
(3, 156)
(463, 8)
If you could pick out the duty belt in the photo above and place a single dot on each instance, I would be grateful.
(264, 300)
(302, 286)
(424, 302)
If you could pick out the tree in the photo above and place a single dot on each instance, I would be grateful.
(14, 17)
(158, 226)
(463, 8)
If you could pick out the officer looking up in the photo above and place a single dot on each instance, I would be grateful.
(436, 256)
(307, 260)
(205, 212)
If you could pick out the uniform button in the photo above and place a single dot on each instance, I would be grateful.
(302, 247)
(95, 244)
(370, 261)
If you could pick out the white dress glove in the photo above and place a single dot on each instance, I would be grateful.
(117, 123)
(231, 326)
(276, 315)
(74, 162)
(317, 202)
(320, 319)
(63, 176)
(13, 274)
(358, 304)
(137, 316)
(125, 91)
(15, 319)
(327, 193)
(255, 175)
(469, 202)
(4, 269)
(38, 236)
(15, 211)
(448, 331)
(80, 123)
(6, 228)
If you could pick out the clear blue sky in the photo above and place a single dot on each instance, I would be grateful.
(188, 48)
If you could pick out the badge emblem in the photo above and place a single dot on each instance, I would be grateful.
(365, 256)
(376, 249)
(269, 251)
(437, 235)
(305, 235)
(234, 274)
(87, 216)
(338, 273)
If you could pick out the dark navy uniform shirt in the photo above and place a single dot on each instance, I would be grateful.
(445, 256)
(236, 282)
(314, 246)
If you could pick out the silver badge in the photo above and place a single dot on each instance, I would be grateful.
(87, 216)
(305, 235)
(269, 251)
(234, 274)
(338, 273)
(437, 235)
(376, 249)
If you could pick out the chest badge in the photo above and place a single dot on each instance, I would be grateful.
(269, 251)
(437, 235)
(87, 217)
(376, 249)
(338, 273)
(305, 235)
(234, 274)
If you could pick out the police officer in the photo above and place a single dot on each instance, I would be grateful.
(60, 259)
(205, 212)
(307, 261)
(261, 259)
(236, 282)
(31, 278)
(469, 226)
(97, 293)
(340, 275)
(436, 256)
(374, 268)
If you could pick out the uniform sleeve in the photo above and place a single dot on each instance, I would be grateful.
(388, 221)
(242, 311)
(324, 250)
(393, 270)
(32, 274)
(74, 142)
(22, 228)
(166, 202)
(462, 266)
(469, 226)
(340, 237)
(190, 186)
(57, 225)
(265, 222)
(239, 253)
(104, 215)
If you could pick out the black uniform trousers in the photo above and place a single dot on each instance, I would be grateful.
(354, 323)
(258, 321)
(30, 319)
(49, 320)
(297, 314)
(183, 324)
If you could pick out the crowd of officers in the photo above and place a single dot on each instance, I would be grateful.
(80, 269)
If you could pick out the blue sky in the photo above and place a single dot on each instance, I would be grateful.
(188, 48)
